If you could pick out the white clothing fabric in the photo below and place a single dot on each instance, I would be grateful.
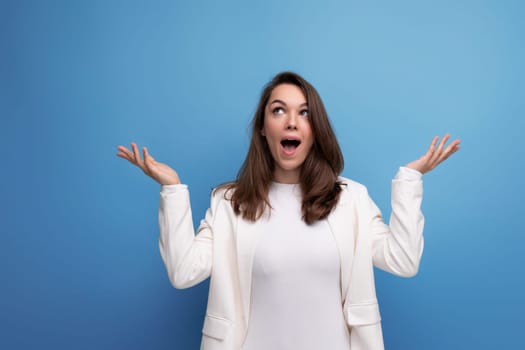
(296, 292)
(226, 244)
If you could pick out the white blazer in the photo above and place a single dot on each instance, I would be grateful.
(225, 244)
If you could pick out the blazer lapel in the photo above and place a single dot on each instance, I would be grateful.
(247, 236)
(344, 226)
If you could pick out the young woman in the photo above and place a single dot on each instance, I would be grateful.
(290, 245)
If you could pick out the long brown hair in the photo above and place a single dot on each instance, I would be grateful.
(318, 179)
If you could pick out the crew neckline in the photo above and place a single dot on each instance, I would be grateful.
(283, 184)
(279, 187)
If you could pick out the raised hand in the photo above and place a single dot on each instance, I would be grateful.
(434, 156)
(159, 172)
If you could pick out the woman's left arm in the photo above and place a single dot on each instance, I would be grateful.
(397, 247)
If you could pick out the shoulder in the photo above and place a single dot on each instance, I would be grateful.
(222, 195)
(351, 186)
(223, 191)
(355, 192)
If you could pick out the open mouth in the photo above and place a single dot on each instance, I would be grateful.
(290, 145)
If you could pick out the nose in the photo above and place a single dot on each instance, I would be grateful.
(291, 123)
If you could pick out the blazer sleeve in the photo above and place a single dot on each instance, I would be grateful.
(187, 257)
(398, 246)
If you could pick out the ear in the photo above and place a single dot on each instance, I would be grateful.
(262, 133)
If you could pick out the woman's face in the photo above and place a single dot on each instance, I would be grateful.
(287, 131)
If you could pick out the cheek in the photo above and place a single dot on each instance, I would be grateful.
(267, 138)
(309, 136)
(269, 131)
(266, 128)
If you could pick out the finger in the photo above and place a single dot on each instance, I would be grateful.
(439, 152)
(123, 155)
(126, 154)
(133, 157)
(125, 151)
(452, 146)
(433, 143)
(443, 141)
(451, 149)
(147, 158)
(136, 156)
(146, 153)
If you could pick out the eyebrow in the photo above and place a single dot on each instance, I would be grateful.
(284, 103)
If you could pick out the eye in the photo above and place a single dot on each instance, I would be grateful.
(304, 113)
(278, 110)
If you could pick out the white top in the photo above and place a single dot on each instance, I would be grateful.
(296, 294)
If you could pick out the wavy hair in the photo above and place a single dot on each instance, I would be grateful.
(319, 173)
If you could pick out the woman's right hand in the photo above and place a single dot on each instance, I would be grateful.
(159, 172)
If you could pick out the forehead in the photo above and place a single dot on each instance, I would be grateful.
(289, 94)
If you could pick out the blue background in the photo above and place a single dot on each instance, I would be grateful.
(80, 267)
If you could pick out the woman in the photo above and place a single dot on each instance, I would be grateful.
(290, 245)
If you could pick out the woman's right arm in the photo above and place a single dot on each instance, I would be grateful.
(187, 257)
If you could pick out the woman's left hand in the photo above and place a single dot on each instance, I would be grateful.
(434, 156)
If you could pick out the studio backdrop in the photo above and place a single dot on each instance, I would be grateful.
(80, 264)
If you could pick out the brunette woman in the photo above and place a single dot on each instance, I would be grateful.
(290, 245)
